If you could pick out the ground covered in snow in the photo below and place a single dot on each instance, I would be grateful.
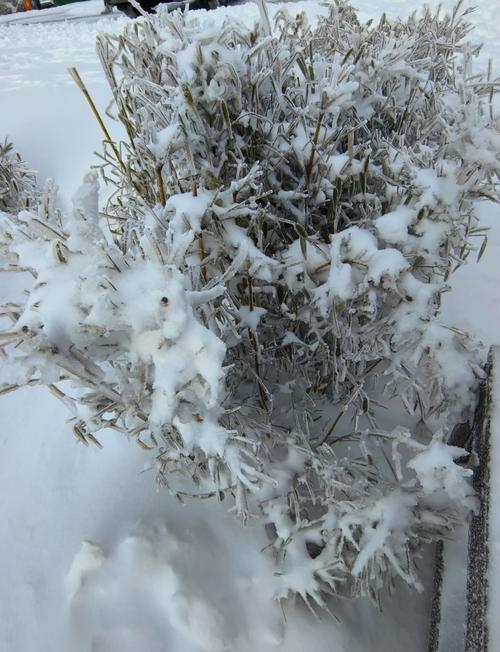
(156, 575)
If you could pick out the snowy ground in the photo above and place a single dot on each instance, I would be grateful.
(154, 556)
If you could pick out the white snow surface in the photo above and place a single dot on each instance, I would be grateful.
(93, 559)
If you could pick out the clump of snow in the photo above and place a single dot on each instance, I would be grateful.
(90, 558)
(251, 316)
(436, 470)
(393, 227)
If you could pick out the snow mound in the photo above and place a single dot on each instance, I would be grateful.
(159, 589)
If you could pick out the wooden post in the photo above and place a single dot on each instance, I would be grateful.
(476, 551)
(479, 553)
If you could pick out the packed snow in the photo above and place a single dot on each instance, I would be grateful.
(93, 557)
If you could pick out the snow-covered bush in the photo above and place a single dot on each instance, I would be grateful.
(17, 182)
(11, 6)
(267, 278)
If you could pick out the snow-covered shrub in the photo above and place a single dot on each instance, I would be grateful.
(268, 274)
(11, 6)
(17, 182)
